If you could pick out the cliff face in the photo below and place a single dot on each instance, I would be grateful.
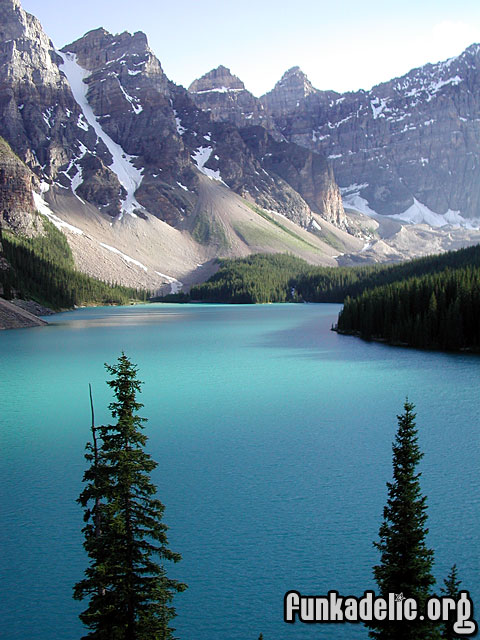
(408, 142)
(100, 118)
(144, 177)
(308, 173)
(288, 94)
(141, 180)
(39, 116)
(16, 201)
(224, 96)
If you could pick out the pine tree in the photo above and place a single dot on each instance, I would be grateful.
(451, 590)
(129, 592)
(406, 562)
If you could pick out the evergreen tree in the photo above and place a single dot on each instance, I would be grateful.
(451, 590)
(406, 562)
(129, 592)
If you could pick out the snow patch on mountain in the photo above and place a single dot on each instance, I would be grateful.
(378, 105)
(201, 157)
(124, 256)
(175, 285)
(419, 213)
(128, 175)
(180, 130)
(136, 106)
(220, 90)
(45, 210)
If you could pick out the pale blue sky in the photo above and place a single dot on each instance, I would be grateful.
(343, 45)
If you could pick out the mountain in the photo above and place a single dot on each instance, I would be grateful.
(148, 188)
(289, 92)
(407, 147)
(151, 183)
(222, 94)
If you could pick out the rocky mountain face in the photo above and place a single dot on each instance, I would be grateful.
(35, 98)
(17, 182)
(101, 118)
(224, 96)
(289, 92)
(151, 183)
(307, 172)
(147, 186)
(409, 146)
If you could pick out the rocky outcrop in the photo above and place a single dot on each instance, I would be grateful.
(100, 118)
(14, 317)
(39, 116)
(407, 145)
(17, 208)
(288, 94)
(308, 174)
(224, 96)
(163, 131)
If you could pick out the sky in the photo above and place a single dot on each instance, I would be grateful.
(344, 45)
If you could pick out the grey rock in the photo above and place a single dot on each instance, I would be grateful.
(224, 95)
(412, 137)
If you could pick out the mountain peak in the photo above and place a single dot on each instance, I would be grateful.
(289, 92)
(296, 79)
(220, 79)
(98, 47)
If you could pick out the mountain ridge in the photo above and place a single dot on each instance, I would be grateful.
(151, 182)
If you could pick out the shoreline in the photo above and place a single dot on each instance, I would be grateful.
(14, 316)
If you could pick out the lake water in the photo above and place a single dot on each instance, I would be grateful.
(273, 437)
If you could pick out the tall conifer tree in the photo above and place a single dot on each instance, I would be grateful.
(405, 561)
(128, 590)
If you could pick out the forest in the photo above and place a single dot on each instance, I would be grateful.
(434, 311)
(42, 269)
(264, 278)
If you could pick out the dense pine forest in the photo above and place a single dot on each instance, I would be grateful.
(42, 269)
(284, 278)
(435, 311)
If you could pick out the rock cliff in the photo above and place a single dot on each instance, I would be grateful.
(17, 207)
(408, 146)
(224, 96)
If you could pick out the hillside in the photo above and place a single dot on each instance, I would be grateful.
(282, 278)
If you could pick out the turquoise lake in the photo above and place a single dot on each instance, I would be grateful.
(273, 437)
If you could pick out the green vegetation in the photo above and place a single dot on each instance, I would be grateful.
(285, 278)
(263, 214)
(435, 311)
(451, 590)
(329, 238)
(405, 561)
(128, 591)
(257, 278)
(208, 231)
(431, 302)
(42, 269)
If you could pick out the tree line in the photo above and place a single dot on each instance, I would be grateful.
(42, 269)
(435, 311)
(264, 278)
